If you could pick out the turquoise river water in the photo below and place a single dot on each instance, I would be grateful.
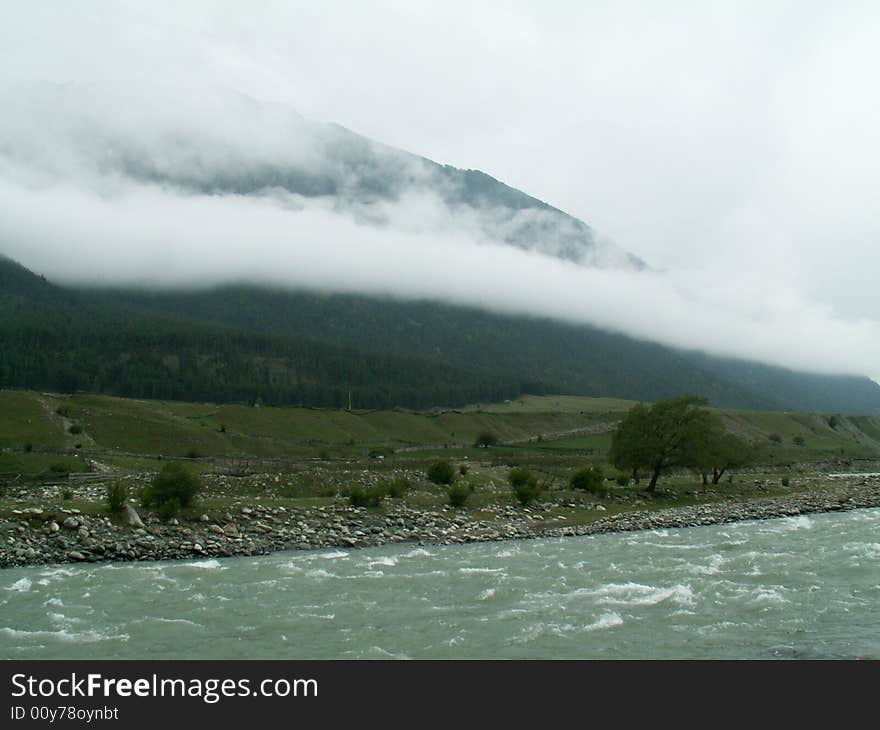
(802, 587)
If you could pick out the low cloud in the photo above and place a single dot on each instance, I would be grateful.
(158, 236)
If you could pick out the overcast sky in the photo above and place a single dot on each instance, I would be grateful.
(732, 146)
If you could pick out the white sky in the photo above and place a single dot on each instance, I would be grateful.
(732, 145)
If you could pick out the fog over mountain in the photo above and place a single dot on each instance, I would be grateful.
(165, 147)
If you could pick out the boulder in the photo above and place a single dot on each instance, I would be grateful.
(131, 517)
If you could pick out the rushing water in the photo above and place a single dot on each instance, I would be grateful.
(798, 587)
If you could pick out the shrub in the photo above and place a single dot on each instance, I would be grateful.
(396, 487)
(463, 469)
(832, 422)
(193, 454)
(590, 479)
(75, 429)
(458, 494)
(371, 497)
(59, 467)
(441, 472)
(28, 447)
(117, 496)
(525, 485)
(486, 439)
(785, 481)
(67, 494)
(169, 508)
(173, 488)
(775, 438)
(621, 478)
(798, 440)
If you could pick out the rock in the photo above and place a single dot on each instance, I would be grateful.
(82, 533)
(204, 518)
(76, 555)
(230, 530)
(53, 526)
(131, 517)
(71, 523)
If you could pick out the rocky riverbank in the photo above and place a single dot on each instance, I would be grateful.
(34, 536)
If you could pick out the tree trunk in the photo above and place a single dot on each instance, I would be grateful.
(655, 475)
(716, 476)
(705, 478)
(635, 475)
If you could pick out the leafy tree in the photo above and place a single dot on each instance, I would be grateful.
(660, 436)
(714, 449)
(486, 439)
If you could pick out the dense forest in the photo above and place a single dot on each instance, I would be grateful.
(246, 344)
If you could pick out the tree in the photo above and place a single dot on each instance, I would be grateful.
(486, 439)
(714, 449)
(660, 436)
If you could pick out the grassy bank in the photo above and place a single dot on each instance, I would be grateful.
(63, 451)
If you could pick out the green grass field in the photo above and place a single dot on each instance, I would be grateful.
(535, 430)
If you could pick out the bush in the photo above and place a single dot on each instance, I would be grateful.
(441, 472)
(486, 439)
(395, 488)
(173, 488)
(785, 481)
(193, 454)
(622, 479)
(75, 429)
(775, 438)
(463, 469)
(371, 497)
(798, 440)
(59, 467)
(67, 494)
(28, 447)
(117, 496)
(458, 494)
(590, 479)
(169, 508)
(525, 485)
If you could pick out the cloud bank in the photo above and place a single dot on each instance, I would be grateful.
(747, 174)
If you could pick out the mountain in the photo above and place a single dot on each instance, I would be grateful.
(114, 135)
(242, 344)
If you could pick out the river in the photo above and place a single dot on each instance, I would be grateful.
(801, 587)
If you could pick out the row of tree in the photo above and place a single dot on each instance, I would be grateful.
(676, 433)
